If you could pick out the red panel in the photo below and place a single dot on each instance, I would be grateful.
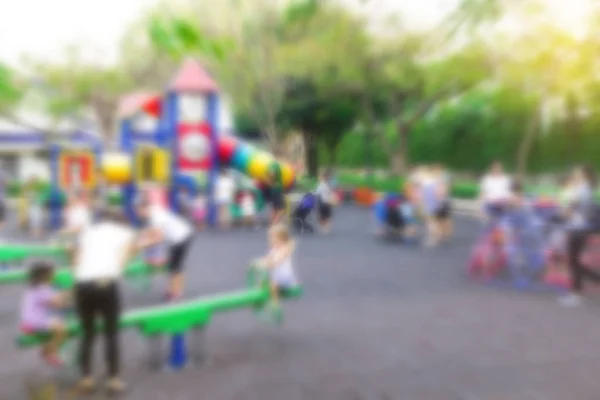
(185, 131)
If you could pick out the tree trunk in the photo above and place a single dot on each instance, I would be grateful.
(332, 153)
(399, 160)
(312, 154)
(526, 146)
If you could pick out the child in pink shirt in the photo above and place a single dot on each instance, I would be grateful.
(39, 310)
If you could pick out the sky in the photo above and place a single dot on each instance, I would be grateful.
(44, 28)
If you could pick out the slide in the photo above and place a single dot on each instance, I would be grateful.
(253, 162)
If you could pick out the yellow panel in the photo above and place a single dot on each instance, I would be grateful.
(162, 166)
(152, 164)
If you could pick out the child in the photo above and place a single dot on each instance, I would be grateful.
(278, 263)
(248, 208)
(39, 310)
(199, 211)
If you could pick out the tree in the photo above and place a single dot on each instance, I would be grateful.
(10, 91)
(241, 53)
(322, 115)
(403, 86)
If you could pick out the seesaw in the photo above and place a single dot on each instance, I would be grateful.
(177, 319)
(63, 277)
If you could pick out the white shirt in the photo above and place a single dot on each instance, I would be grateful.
(78, 217)
(224, 189)
(174, 228)
(324, 192)
(102, 250)
(283, 274)
(495, 188)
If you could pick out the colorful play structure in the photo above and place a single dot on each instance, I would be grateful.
(185, 145)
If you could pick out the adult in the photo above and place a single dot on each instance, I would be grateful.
(430, 203)
(224, 197)
(103, 250)
(274, 190)
(583, 220)
(326, 201)
(166, 226)
(495, 190)
(443, 214)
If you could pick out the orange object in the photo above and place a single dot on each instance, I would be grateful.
(76, 169)
(365, 197)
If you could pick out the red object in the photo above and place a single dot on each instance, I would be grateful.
(192, 77)
(226, 147)
(184, 131)
(153, 106)
(134, 102)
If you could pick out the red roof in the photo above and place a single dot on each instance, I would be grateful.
(134, 102)
(192, 77)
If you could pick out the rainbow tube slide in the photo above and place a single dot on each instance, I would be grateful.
(253, 162)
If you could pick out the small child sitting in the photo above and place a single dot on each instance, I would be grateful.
(248, 208)
(278, 263)
(40, 310)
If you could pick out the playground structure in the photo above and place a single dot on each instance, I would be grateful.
(19, 253)
(185, 147)
(177, 319)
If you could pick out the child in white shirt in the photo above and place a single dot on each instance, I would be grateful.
(278, 263)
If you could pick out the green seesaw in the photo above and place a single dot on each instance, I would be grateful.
(178, 318)
(63, 277)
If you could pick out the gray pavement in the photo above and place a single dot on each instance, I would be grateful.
(377, 321)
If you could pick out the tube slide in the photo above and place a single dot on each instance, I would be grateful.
(253, 162)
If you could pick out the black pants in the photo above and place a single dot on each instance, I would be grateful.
(576, 243)
(177, 255)
(97, 299)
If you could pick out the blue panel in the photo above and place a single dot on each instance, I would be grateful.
(212, 116)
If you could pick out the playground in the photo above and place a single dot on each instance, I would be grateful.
(376, 321)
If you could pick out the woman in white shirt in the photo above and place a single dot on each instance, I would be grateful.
(495, 190)
(104, 249)
(171, 228)
(224, 196)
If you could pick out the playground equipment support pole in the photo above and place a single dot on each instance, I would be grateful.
(55, 215)
(128, 190)
(213, 116)
(172, 122)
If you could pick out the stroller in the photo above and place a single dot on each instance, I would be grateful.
(300, 215)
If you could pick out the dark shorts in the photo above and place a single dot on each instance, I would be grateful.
(444, 211)
(393, 218)
(325, 211)
(177, 255)
(2, 211)
(277, 201)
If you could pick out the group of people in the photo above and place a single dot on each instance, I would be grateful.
(102, 245)
(426, 197)
(577, 214)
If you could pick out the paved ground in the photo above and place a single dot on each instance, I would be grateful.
(377, 322)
